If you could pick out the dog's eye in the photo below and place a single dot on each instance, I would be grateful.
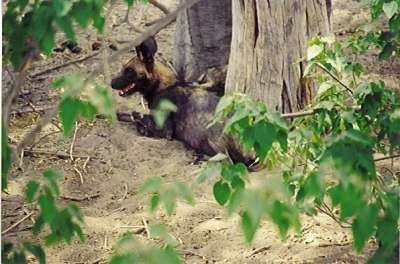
(129, 72)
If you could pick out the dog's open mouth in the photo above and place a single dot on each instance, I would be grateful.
(128, 90)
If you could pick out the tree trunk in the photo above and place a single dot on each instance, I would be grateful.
(268, 37)
(203, 37)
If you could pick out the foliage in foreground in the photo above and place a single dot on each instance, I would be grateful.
(63, 223)
(326, 159)
(386, 40)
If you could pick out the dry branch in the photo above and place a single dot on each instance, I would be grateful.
(31, 110)
(61, 155)
(66, 64)
(160, 6)
(80, 199)
(71, 149)
(16, 223)
(387, 157)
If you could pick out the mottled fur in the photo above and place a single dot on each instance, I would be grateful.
(189, 124)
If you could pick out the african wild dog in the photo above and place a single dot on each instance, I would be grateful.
(195, 109)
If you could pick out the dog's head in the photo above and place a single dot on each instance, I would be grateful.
(134, 77)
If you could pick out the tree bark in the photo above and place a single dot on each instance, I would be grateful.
(203, 37)
(268, 37)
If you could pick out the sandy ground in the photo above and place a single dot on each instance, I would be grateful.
(121, 160)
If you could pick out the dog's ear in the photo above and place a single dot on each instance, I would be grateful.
(147, 50)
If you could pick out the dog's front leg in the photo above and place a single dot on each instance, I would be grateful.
(146, 126)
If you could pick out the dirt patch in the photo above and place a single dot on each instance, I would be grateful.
(121, 160)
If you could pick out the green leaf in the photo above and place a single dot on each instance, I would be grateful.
(235, 201)
(390, 9)
(19, 257)
(5, 157)
(88, 111)
(101, 98)
(234, 174)
(38, 225)
(170, 256)
(52, 177)
(151, 185)
(6, 248)
(265, 135)
(52, 239)
(48, 208)
(69, 109)
(154, 201)
(162, 111)
(31, 189)
(249, 226)
(387, 51)
(221, 191)
(98, 23)
(225, 104)
(41, 22)
(62, 7)
(387, 233)
(363, 226)
(82, 13)
(160, 230)
(127, 258)
(46, 44)
(168, 198)
(65, 25)
(211, 171)
(350, 201)
(129, 2)
(314, 50)
(78, 230)
(284, 217)
(37, 251)
(184, 192)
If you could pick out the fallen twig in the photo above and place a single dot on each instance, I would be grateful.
(259, 250)
(43, 137)
(117, 210)
(30, 110)
(191, 253)
(85, 164)
(21, 160)
(27, 213)
(63, 65)
(125, 192)
(132, 226)
(336, 244)
(80, 199)
(105, 241)
(98, 260)
(16, 223)
(62, 155)
(71, 149)
(80, 174)
(387, 157)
